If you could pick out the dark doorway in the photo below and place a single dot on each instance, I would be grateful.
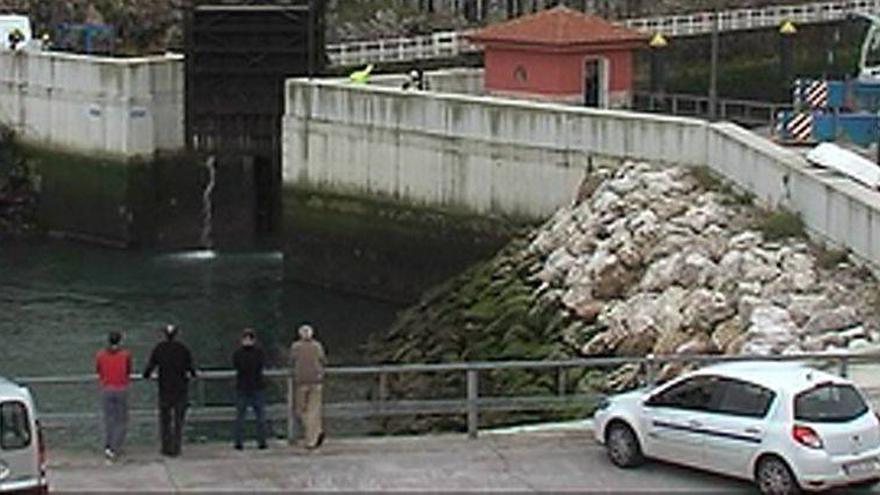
(592, 82)
(238, 56)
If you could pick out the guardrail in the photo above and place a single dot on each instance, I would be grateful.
(757, 18)
(749, 113)
(439, 45)
(472, 404)
(450, 44)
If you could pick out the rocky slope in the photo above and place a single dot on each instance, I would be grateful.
(652, 261)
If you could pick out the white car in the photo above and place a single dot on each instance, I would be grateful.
(785, 426)
(22, 452)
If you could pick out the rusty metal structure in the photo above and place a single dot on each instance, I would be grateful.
(238, 55)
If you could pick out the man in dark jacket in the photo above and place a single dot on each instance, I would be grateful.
(175, 365)
(248, 361)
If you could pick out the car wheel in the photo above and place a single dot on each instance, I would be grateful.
(774, 477)
(623, 447)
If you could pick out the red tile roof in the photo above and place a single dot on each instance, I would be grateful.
(559, 26)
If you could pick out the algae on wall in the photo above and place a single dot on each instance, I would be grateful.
(138, 202)
(17, 192)
(382, 248)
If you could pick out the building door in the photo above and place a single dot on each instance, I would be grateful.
(594, 83)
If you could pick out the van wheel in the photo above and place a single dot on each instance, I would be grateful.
(774, 477)
(622, 446)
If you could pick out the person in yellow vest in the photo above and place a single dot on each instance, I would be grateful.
(361, 76)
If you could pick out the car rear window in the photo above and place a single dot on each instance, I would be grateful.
(15, 431)
(829, 403)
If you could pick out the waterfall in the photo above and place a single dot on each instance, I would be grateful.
(207, 203)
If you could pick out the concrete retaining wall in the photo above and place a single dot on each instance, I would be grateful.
(494, 156)
(478, 154)
(122, 107)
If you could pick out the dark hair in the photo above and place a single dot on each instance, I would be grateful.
(170, 331)
(114, 338)
(249, 333)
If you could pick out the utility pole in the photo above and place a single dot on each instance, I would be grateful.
(713, 71)
(658, 68)
(786, 52)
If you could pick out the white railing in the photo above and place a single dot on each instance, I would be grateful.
(745, 19)
(447, 44)
(442, 44)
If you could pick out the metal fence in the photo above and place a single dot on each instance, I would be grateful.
(472, 404)
(749, 113)
(450, 44)
(757, 18)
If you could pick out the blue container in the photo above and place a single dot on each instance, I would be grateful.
(824, 127)
(867, 95)
(860, 128)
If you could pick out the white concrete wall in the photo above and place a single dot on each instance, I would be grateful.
(510, 157)
(123, 107)
(480, 154)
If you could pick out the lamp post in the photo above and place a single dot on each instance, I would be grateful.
(786, 48)
(713, 72)
(658, 67)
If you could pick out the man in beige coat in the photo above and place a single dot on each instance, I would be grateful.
(308, 367)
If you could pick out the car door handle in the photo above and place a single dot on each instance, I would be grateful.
(694, 423)
(753, 430)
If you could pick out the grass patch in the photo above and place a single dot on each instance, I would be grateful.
(705, 178)
(828, 259)
(710, 181)
(781, 224)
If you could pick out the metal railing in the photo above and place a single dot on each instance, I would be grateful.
(439, 45)
(450, 44)
(472, 404)
(757, 18)
(750, 113)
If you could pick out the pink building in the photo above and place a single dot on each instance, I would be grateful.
(560, 55)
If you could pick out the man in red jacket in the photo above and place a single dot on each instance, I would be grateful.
(113, 365)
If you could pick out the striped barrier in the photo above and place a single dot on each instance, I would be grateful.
(799, 128)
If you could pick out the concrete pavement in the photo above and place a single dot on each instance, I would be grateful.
(538, 461)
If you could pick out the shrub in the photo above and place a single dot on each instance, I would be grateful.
(781, 224)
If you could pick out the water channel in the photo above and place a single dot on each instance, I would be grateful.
(59, 300)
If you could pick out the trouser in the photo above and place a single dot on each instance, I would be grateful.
(115, 407)
(308, 410)
(172, 414)
(256, 401)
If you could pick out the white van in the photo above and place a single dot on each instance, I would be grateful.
(22, 451)
(8, 24)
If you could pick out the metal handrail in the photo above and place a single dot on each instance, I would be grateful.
(454, 43)
(750, 112)
(472, 404)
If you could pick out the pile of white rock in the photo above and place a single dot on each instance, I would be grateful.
(652, 262)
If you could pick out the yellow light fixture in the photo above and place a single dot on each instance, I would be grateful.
(658, 41)
(787, 27)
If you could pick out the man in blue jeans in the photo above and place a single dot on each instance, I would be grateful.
(248, 362)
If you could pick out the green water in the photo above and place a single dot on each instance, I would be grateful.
(59, 300)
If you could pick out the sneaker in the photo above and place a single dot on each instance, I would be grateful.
(263, 446)
(109, 454)
(238, 446)
(320, 439)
